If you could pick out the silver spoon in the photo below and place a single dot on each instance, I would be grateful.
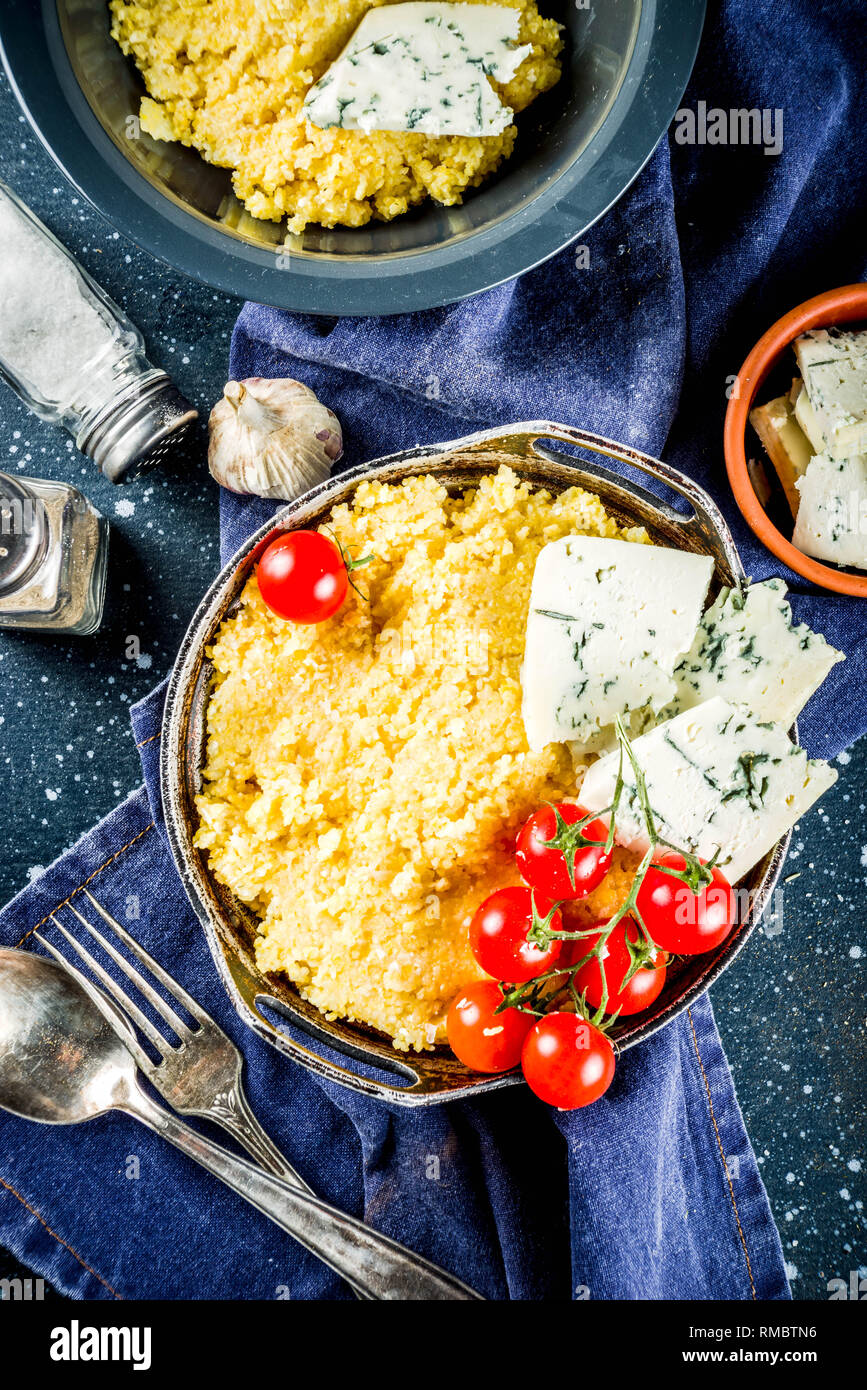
(61, 1063)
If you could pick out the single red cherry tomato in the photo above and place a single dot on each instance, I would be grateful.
(498, 936)
(479, 1036)
(566, 1061)
(645, 985)
(680, 921)
(303, 577)
(545, 866)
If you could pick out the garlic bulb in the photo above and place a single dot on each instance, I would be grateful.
(273, 438)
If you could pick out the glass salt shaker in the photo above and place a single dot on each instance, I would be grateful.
(53, 552)
(74, 358)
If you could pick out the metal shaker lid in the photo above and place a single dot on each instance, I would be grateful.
(139, 428)
(23, 534)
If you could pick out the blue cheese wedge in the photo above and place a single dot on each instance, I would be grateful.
(832, 516)
(748, 650)
(608, 622)
(834, 368)
(424, 68)
(718, 779)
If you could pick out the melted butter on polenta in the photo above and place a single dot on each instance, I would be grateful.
(365, 777)
(229, 78)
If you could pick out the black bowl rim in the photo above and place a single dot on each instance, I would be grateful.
(34, 56)
(245, 993)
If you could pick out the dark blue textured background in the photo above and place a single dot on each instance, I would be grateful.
(789, 1009)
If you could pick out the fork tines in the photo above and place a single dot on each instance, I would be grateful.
(120, 996)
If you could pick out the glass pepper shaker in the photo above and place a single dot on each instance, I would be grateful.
(53, 552)
(74, 358)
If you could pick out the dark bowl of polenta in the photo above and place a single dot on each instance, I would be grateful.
(192, 128)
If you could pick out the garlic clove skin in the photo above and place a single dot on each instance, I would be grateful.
(272, 438)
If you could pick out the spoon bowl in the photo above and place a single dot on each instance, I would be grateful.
(60, 1062)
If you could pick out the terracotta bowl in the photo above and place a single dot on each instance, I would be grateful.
(845, 305)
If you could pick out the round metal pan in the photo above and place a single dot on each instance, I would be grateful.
(675, 511)
(625, 68)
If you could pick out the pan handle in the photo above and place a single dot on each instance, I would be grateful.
(704, 518)
(322, 1065)
(425, 1086)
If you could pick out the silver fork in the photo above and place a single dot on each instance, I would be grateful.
(200, 1076)
(375, 1267)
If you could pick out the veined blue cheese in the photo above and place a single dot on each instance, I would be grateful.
(834, 367)
(832, 516)
(717, 778)
(608, 621)
(422, 67)
(748, 650)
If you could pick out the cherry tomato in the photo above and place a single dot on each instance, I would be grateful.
(680, 921)
(566, 1061)
(303, 576)
(498, 936)
(481, 1038)
(645, 985)
(546, 867)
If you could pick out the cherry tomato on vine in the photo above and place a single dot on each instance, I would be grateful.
(498, 936)
(566, 1061)
(303, 577)
(545, 865)
(479, 1036)
(680, 921)
(645, 985)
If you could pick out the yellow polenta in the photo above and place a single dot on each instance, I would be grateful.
(365, 778)
(229, 78)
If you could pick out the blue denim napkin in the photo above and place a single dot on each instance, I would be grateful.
(653, 1192)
